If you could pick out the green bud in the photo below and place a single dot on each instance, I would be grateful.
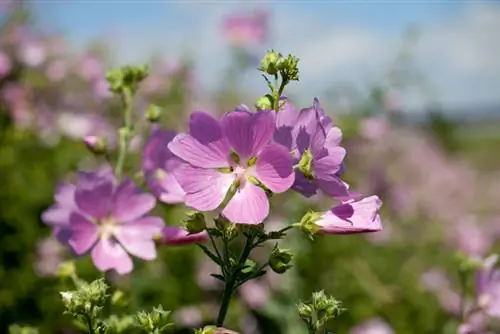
(289, 68)
(305, 311)
(466, 264)
(154, 321)
(280, 259)
(305, 164)
(67, 298)
(118, 298)
(308, 223)
(268, 63)
(126, 77)
(264, 102)
(66, 269)
(119, 324)
(153, 113)
(195, 222)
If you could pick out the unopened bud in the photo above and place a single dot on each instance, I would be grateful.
(308, 223)
(66, 269)
(195, 222)
(95, 144)
(280, 259)
(264, 102)
(153, 113)
(269, 62)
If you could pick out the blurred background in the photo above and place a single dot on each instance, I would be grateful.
(415, 86)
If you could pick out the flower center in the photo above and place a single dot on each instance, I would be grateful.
(106, 228)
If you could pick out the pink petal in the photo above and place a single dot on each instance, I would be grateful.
(56, 215)
(137, 236)
(204, 146)
(131, 203)
(205, 188)
(94, 192)
(108, 254)
(172, 191)
(173, 235)
(353, 217)
(274, 168)
(248, 133)
(330, 163)
(303, 185)
(249, 205)
(65, 195)
(332, 185)
(84, 233)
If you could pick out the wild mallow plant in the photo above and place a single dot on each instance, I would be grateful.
(227, 169)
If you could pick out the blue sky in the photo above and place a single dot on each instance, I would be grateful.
(349, 42)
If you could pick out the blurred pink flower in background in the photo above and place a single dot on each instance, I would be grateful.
(373, 128)
(90, 68)
(437, 282)
(246, 28)
(32, 51)
(190, 316)
(255, 293)
(372, 326)
(50, 254)
(469, 237)
(56, 70)
(5, 64)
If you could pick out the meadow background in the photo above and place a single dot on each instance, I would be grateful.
(415, 86)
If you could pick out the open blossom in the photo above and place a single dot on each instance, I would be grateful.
(233, 151)
(158, 164)
(108, 219)
(315, 145)
(353, 216)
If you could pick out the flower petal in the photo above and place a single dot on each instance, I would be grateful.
(205, 188)
(109, 254)
(130, 202)
(156, 152)
(304, 186)
(83, 235)
(353, 217)
(204, 146)
(249, 205)
(137, 236)
(329, 164)
(94, 192)
(173, 235)
(333, 186)
(274, 168)
(56, 215)
(248, 133)
(65, 195)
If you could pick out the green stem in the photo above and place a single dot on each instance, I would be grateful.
(232, 281)
(463, 295)
(125, 131)
(89, 324)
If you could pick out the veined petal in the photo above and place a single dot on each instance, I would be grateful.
(94, 192)
(205, 188)
(353, 217)
(84, 233)
(249, 205)
(130, 202)
(329, 164)
(137, 236)
(109, 254)
(248, 133)
(274, 168)
(304, 186)
(204, 146)
(156, 151)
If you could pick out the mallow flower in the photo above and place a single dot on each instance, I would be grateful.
(350, 217)
(233, 153)
(107, 219)
(158, 165)
(315, 145)
(488, 287)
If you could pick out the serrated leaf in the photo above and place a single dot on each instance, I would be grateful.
(219, 277)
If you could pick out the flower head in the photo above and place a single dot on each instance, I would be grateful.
(488, 287)
(315, 145)
(107, 219)
(234, 152)
(158, 164)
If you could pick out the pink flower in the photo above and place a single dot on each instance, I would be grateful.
(233, 151)
(488, 287)
(313, 136)
(373, 326)
(353, 216)
(158, 164)
(5, 64)
(108, 220)
(246, 29)
(173, 235)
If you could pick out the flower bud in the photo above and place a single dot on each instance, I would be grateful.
(67, 298)
(195, 222)
(126, 78)
(280, 259)
(264, 102)
(154, 321)
(268, 63)
(305, 311)
(153, 113)
(66, 269)
(96, 145)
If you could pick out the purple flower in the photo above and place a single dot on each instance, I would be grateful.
(488, 287)
(5, 64)
(158, 164)
(105, 218)
(246, 29)
(315, 142)
(173, 235)
(235, 150)
(352, 217)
